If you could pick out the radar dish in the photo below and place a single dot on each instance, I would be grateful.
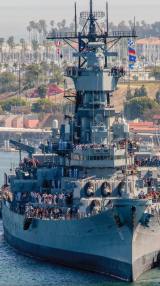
(95, 14)
(98, 118)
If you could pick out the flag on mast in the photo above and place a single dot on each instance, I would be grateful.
(82, 45)
(58, 43)
(131, 51)
(131, 67)
(132, 58)
(130, 42)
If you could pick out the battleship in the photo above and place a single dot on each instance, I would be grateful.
(111, 223)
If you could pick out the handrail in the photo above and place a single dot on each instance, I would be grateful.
(57, 35)
(55, 216)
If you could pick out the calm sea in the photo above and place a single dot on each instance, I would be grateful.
(14, 20)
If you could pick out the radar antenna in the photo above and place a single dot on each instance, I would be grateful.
(93, 33)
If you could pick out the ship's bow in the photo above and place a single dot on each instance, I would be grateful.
(131, 212)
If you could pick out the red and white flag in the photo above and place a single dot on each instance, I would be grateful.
(58, 43)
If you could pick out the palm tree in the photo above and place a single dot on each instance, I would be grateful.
(36, 26)
(63, 23)
(11, 42)
(53, 68)
(1, 67)
(58, 77)
(1, 45)
(32, 73)
(44, 67)
(143, 59)
(52, 23)
(48, 46)
(44, 26)
(65, 64)
(39, 31)
(6, 66)
(103, 24)
(23, 67)
(59, 24)
(45, 46)
(143, 23)
(43, 23)
(35, 46)
(111, 26)
(72, 26)
(45, 32)
(29, 29)
(32, 27)
(22, 41)
(130, 23)
(15, 65)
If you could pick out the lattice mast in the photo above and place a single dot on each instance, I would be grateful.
(108, 38)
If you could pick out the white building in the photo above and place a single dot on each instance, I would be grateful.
(150, 48)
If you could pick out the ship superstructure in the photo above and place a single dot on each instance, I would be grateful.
(101, 217)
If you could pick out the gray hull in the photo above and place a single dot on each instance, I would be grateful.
(91, 243)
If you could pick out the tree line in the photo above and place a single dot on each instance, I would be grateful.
(38, 30)
(143, 29)
(39, 106)
(33, 76)
(138, 105)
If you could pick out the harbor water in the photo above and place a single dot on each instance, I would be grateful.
(18, 269)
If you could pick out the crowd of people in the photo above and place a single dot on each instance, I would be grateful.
(152, 195)
(153, 161)
(27, 162)
(132, 169)
(65, 145)
(52, 206)
(48, 212)
(130, 142)
(115, 71)
(38, 198)
(64, 171)
(88, 146)
(120, 145)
